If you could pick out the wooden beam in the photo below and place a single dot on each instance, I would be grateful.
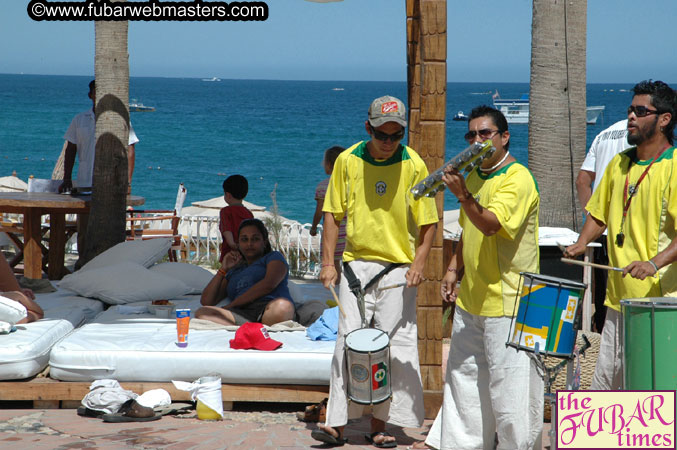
(49, 390)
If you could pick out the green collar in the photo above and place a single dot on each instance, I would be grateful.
(499, 172)
(631, 153)
(362, 152)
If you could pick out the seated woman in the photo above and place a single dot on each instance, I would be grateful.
(9, 288)
(255, 279)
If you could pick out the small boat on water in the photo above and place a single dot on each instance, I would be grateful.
(517, 110)
(138, 106)
(211, 79)
(460, 116)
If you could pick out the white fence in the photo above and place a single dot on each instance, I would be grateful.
(201, 242)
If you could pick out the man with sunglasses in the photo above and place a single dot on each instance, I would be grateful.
(388, 237)
(491, 392)
(636, 202)
(607, 144)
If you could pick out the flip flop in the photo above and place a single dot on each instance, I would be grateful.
(118, 418)
(86, 412)
(370, 438)
(322, 436)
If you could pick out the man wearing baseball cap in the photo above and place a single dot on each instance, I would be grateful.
(388, 237)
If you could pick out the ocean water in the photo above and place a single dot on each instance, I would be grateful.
(272, 132)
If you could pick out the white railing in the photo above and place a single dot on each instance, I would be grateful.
(201, 242)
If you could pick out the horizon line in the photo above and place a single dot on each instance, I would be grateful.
(301, 80)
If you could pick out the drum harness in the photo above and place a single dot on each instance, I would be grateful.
(355, 286)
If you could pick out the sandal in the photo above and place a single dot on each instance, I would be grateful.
(320, 435)
(383, 444)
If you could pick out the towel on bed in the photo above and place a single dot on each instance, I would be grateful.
(326, 327)
(201, 324)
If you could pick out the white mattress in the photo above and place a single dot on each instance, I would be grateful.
(25, 352)
(142, 347)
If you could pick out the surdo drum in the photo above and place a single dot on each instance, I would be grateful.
(367, 354)
(546, 310)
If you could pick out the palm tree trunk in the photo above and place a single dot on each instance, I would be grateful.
(106, 225)
(557, 107)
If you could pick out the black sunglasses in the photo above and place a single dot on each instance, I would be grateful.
(381, 136)
(484, 134)
(641, 111)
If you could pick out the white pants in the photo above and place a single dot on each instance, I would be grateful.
(490, 389)
(393, 311)
(609, 369)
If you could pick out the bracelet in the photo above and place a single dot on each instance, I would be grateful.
(451, 269)
(467, 197)
(327, 265)
(221, 272)
(654, 266)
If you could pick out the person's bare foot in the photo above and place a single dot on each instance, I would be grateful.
(329, 435)
(420, 445)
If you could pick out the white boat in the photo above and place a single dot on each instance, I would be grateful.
(211, 79)
(138, 106)
(460, 116)
(517, 110)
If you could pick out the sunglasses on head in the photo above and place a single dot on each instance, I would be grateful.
(381, 136)
(484, 134)
(641, 111)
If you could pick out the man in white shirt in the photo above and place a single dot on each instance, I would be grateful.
(81, 139)
(606, 145)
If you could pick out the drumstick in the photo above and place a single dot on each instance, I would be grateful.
(333, 292)
(393, 286)
(589, 264)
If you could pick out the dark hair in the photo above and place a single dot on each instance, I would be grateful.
(262, 229)
(237, 186)
(92, 86)
(332, 153)
(663, 98)
(495, 115)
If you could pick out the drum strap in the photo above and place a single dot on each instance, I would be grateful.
(355, 284)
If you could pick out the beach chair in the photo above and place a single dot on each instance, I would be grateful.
(157, 223)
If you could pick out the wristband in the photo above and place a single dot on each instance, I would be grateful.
(654, 266)
(451, 269)
(221, 272)
(327, 265)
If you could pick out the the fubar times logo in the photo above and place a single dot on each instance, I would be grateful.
(616, 420)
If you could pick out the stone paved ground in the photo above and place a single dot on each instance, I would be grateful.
(249, 426)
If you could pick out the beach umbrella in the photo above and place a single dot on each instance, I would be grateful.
(12, 184)
(220, 202)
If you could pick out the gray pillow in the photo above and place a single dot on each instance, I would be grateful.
(124, 283)
(146, 253)
(194, 276)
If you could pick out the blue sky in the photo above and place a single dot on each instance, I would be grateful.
(488, 40)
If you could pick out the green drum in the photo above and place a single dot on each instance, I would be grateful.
(650, 343)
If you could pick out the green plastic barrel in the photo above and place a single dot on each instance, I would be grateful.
(650, 343)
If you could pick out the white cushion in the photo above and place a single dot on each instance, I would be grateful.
(11, 311)
(124, 283)
(194, 276)
(146, 253)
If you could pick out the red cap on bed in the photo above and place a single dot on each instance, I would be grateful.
(253, 335)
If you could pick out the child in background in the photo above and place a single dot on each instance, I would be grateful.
(330, 156)
(235, 189)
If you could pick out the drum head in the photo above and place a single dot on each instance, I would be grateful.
(535, 278)
(367, 340)
(651, 302)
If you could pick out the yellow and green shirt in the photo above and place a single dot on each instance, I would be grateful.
(383, 217)
(650, 224)
(493, 263)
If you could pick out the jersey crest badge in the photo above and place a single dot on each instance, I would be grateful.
(381, 187)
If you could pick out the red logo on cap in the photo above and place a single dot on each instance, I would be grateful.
(389, 107)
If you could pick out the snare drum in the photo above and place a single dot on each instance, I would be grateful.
(546, 312)
(367, 354)
(650, 343)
